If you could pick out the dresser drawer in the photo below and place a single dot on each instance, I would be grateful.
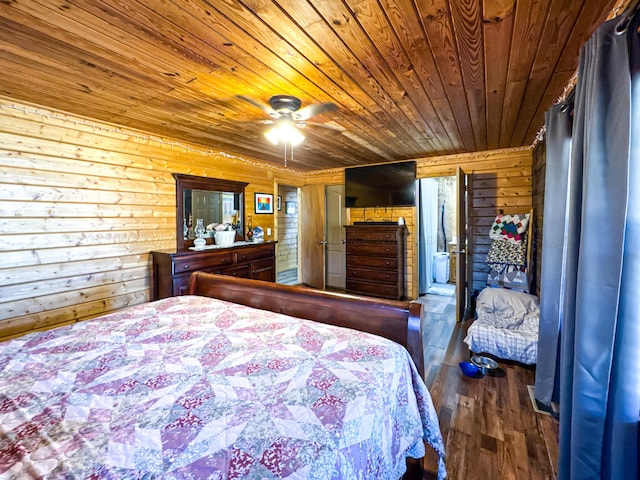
(248, 254)
(260, 266)
(372, 235)
(181, 285)
(374, 289)
(372, 249)
(241, 271)
(382, 276)
(376, 262)
(202, 262)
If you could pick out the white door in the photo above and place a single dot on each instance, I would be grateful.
(335, 235)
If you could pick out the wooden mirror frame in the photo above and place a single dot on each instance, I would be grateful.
(204, 183)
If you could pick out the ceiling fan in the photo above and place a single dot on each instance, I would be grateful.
(286, 115)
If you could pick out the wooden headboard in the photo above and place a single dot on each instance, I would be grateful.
(397, 321)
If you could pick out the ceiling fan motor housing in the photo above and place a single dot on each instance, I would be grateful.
(285, 103)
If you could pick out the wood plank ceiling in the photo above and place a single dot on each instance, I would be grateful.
(410, 78)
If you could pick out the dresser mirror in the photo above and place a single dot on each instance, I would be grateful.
(212, 199)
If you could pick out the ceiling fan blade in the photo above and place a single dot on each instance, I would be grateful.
(334, 128)
(262, 106)
(314, 109)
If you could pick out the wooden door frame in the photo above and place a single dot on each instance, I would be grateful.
(464, 266)
(312, 209)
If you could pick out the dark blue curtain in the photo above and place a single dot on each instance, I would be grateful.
(598, 297)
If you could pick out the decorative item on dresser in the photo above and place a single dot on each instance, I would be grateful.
(375, 259)
(171, 268)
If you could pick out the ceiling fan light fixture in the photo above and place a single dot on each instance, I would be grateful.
(273, 135)
(285, 132)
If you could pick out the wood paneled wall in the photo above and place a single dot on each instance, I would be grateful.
(81, 206)
(539, 171)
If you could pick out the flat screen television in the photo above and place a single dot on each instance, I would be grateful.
(383, 185)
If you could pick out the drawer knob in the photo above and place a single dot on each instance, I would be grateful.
(186, 267)
(387, 263)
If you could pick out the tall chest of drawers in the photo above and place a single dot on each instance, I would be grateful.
(375, 260)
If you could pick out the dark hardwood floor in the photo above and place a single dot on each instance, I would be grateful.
(490, 429)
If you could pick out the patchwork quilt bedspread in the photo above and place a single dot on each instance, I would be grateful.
(192, 387)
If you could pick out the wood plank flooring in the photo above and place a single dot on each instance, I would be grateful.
(288, 277)
(490, 429)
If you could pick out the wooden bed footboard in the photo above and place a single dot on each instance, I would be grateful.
(397, 321)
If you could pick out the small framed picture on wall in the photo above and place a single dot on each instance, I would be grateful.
(263, 203)
(279, 203)
(290, 208)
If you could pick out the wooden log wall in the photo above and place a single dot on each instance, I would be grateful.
(539, 170)
(82, 204)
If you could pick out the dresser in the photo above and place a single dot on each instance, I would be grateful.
(375, 260)
(171, 268)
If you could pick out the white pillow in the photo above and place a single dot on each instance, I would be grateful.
(506, 308)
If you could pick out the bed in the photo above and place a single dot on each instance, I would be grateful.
(506, 326)
(507, 320)
(240, 379)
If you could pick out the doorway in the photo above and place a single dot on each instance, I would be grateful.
(322, 218)
(437, 235)
(288, 227)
